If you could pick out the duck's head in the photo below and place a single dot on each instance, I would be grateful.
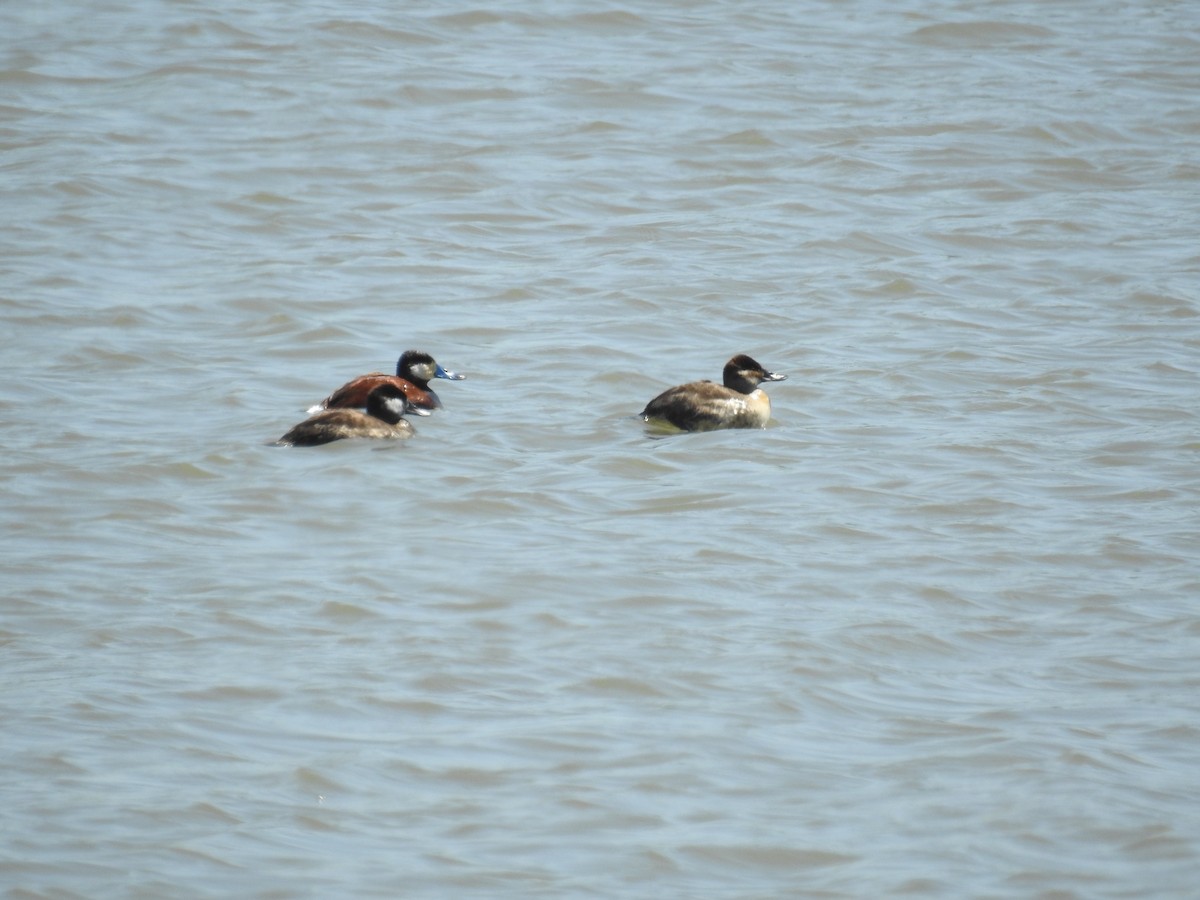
(744, 373)
(387, 402)
(421, 368)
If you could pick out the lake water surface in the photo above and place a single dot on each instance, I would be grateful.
(934, 632)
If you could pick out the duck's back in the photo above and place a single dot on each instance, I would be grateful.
(339, 424)
(354, 393)
(706, 406)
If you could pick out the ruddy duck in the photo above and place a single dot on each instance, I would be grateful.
(704, 406)
(414, 370)
(386, 405)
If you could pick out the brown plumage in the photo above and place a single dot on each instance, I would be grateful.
(414, 370)
(704, 406)
(382, 421)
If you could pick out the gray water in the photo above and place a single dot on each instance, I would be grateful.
(933, 632)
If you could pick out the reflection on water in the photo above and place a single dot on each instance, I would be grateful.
(932, 631)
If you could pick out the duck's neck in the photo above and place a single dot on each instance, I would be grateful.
(736, 381)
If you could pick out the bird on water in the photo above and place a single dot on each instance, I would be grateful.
(383, 420)
(738, 402)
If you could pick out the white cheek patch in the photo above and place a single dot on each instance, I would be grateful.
(396, 405)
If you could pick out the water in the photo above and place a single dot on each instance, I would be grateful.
(933, 632)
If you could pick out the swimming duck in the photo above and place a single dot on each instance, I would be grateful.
(703, 406)
(386, 404)
(414, 370)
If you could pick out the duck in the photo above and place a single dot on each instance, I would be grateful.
(738, 402)
(414, 370)
(383, 420)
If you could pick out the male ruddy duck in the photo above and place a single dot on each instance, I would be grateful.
(386, 405)
(414, 370)
(704, 406)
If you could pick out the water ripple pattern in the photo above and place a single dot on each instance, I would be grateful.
(933, 632)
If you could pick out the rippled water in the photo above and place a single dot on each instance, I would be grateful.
(933, 633)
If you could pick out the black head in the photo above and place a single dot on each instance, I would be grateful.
(745, 373)
(412, 359)
(420, 368)
(387, 402)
